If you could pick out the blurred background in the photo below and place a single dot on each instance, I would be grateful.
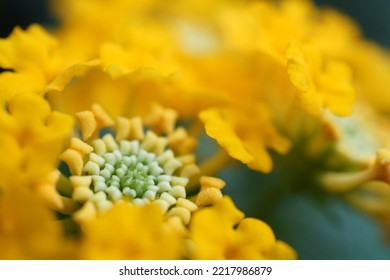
(372, 16)
(22, 13)
(317, 227)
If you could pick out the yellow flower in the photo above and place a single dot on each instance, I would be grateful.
(232, 86)
(245, 134)
(110, 200)
(321, 74)
(136, 176)
(222, 232)
(136, 167)
(129, 232)
(363, 136)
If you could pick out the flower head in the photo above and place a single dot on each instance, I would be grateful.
(135, 167)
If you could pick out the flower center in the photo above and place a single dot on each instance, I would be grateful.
(135, 167)
(133, 173)
(128, 171)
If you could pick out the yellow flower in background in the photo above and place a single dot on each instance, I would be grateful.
(276, 30)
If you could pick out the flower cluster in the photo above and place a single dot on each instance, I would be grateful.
(104, 120)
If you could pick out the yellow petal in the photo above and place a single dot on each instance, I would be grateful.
(297, 68)
(257, 233)
(225, 135)
(282, 251)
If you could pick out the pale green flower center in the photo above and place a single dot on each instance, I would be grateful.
(359, 137)
(132, 173)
